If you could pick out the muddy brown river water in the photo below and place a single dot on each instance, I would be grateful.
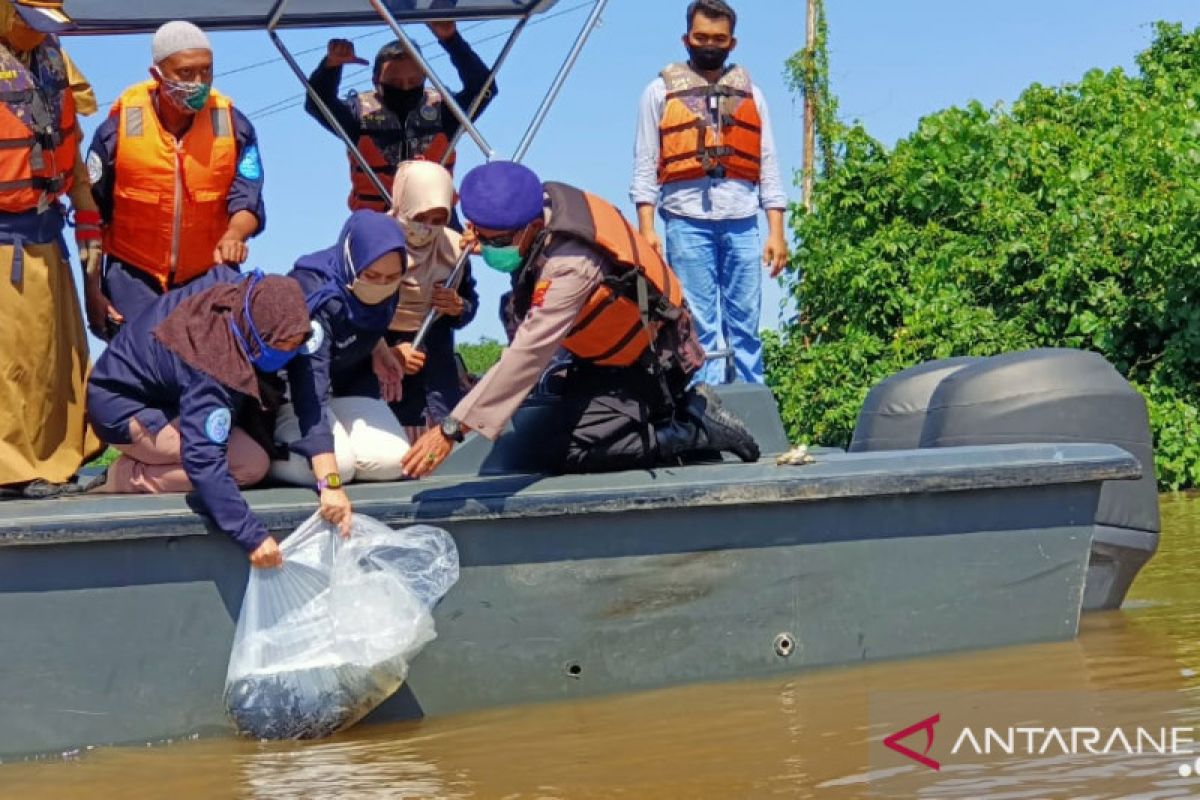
(1132, 679)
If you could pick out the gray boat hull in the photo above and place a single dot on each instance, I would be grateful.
(117, 613)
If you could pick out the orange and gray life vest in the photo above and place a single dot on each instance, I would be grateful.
(39, 136)
(385, 141)
(691, 145)
(621, 320)
(170, 197)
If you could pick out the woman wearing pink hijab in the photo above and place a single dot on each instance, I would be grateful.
(422, 199)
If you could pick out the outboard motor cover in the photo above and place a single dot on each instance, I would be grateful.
(893, 415)
(1060, 395)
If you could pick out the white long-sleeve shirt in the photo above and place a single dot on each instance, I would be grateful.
(702, 198)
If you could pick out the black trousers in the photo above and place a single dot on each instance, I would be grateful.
(609, 416)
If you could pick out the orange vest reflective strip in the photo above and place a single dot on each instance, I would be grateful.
(364, 194)
(610, 330)
(690, 147)
(170, 199)
(34, 174)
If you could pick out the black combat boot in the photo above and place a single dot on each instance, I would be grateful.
(701, 426)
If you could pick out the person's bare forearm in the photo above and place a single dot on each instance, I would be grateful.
(242, 226)
(324, 464)
(645, 212)
(775, 222)
(81, 187)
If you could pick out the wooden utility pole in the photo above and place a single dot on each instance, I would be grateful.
(810, 139)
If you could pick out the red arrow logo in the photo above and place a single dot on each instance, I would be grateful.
(923, 758)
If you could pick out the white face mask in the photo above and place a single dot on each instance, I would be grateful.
(419, 234)
(372, 294)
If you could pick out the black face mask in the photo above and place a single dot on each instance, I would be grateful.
(401, 101)
(708, 58)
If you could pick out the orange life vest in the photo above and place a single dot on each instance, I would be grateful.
(621, 320)
(170, 198)
(39, 136)
(691, 146)
(420, 137)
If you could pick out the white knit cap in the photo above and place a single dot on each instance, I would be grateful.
(175, 37)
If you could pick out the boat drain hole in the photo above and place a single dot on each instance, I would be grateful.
(785, 643)
(574, 670)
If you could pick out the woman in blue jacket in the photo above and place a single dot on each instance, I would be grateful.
(338, 426)
(169, 389)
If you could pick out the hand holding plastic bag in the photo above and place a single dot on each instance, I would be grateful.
(327, 637)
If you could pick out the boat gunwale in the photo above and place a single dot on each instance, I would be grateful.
(454, 499)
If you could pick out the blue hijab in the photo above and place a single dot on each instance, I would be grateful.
(365, 238)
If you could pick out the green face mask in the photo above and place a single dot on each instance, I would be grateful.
(503, 259)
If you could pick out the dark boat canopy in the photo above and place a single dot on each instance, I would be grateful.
(144, 16)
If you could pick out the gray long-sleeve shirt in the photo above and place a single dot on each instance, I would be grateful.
(703, 198)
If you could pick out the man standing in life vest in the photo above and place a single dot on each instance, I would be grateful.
(705, 156)
(399, 119)
(588, 283)
(43, 345)
(177, 174)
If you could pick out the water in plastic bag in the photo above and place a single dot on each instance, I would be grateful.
(327, 637)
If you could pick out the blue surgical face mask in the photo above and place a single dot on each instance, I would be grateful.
(503, 259)
(269, 359)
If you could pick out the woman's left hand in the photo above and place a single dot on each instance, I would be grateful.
(389, 371)
(335, 508)
(447, 302)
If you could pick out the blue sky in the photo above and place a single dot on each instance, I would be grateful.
(892, 63)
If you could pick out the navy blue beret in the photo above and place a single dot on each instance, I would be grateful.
(502, 196)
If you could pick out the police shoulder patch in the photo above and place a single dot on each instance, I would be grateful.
(217, 425)
(539, 293)
(315, 339)
(95, 167)
(250, 167)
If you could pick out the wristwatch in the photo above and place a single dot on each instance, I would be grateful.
(452, 429)
(330, 481)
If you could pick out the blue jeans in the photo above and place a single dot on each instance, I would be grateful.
(719, 263)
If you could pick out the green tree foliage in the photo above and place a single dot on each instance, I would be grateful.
(481, 355)
(1070, 219)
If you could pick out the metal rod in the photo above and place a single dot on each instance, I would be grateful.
(453, 280)
(590, 25)
(447, 97)
(592, 21)
(276, 14)
(336, 126)
(432, 316)
(477, 103)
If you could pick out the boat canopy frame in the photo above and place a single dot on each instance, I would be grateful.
(393, 13)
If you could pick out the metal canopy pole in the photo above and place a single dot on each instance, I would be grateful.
(447, 97)
(487, 86)
(432, 316)
(551, 95)
(592, 21)
(351, 146)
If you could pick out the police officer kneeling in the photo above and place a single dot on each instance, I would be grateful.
(587, 282)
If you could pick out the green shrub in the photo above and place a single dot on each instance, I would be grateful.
(1070, 219)
(481, 355)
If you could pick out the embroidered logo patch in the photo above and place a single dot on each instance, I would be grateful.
(250, 167)
(315, 340)
(218, 425)
(95, 167)
(539, 293)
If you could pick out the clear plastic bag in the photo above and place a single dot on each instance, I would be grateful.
(327, 637)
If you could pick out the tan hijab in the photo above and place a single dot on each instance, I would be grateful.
(432, 253)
